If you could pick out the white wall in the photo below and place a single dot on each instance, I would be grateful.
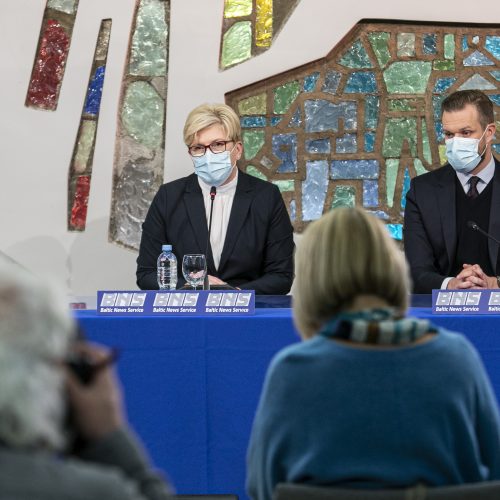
(36, 147)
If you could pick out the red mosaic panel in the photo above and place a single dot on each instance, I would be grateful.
(80, 203)
(48, 69)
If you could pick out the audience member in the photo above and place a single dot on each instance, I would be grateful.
(371, 398)
(36, 389)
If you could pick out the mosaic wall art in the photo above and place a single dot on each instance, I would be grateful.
(250, 26)
(51, 55)
(80, 171)
(354, 127)
(140, 140)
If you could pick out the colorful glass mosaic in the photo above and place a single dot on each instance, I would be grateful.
(140, 139)
(249, 28)
(51, 55)
(80, 170)
(354, 127)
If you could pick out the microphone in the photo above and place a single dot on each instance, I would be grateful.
(213, 192)
(475, 227)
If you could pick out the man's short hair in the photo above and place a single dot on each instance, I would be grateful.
(343, 255)
(205, 115)
(458, 100)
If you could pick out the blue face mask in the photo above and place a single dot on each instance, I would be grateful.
(463, 153)
(213, 168)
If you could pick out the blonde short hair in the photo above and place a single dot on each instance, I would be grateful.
(345, 254)
(206, 115)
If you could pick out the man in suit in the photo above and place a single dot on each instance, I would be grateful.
(442, 246)
(251, 241)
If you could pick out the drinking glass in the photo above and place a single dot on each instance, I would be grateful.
(194, 269)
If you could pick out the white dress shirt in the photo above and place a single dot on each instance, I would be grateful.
(223, 203)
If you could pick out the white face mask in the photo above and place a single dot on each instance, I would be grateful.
(213, 168)
(463, 153)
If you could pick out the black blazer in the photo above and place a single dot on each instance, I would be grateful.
(430, 227)
(257, 252)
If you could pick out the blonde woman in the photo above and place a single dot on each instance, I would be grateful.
(251, 241)
(370, 398)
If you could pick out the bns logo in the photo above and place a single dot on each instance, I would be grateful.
(125, 299)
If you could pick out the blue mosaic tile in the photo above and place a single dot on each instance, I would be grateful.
(379, 213)
(354, 169)
(406, 188)
(372, 106)
(495, 74)
(318, 145)
(253, 121)
(361, 82)
(310, 82)
(492, 45)
(465, 46)
(293, 210)
(94, 92)
(396, 231)
(443, 84)
(332, 80)
(477, 59)
(370, 193)
(285, 148)
(369, 142)
(430, 43)
(346, 144)
(324, 115)
(495, 98)
(275, 120)
(496, 148)
(296, 120)
(314, 189)
(356, 57)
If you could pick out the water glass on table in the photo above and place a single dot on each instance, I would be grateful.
(194, 269)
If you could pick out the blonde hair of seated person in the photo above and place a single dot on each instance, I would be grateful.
(346, 254)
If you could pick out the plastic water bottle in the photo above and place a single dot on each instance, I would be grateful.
(167, 269)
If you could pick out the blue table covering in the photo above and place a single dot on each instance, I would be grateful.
(192, 384)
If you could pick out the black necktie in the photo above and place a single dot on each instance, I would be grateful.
(473, 192)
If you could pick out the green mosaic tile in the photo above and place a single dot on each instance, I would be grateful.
(68, 6)
(419, 167)
(396, 131)
(256, 172)
(406, 44)
(237, 8)
(284, 96)
(444, 65)
(345, 196)
(255, 105)
(407, 77)
(379, 41)
(288, 185)
(401, 104)
(426, 148)
(148, 51)
(253, 140)
(442, 154)
(142, 114)
(237, 44)
(356, 57)
(391, 175)
(449, 46)
(84, 146)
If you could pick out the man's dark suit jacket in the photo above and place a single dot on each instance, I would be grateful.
(258, 250)
(430, 226)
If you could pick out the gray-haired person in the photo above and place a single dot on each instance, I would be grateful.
(37, 387)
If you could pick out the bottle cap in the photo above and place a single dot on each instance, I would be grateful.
(166, 248)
